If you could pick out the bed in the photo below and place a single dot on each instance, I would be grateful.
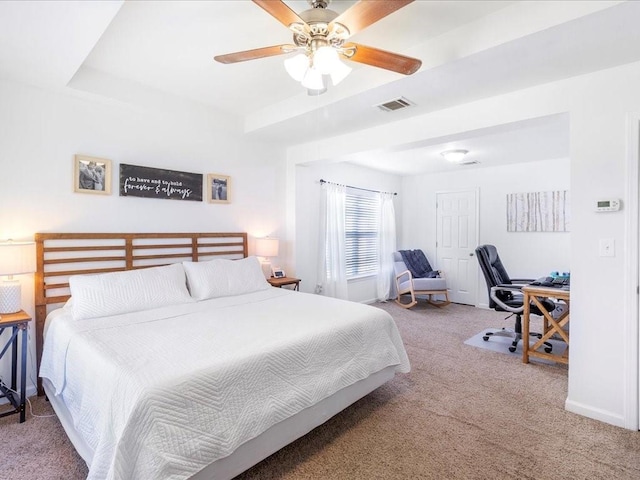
(172, 361)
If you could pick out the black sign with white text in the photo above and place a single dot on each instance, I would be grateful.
(137, 181)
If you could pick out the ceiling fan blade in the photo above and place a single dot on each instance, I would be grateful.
(280, 11)
(365, 13)
(381, 58)
(255, 53)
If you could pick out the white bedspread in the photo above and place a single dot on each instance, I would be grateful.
(165, 392)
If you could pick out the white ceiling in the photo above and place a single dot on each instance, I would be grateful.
(544, 138)
(470, 50)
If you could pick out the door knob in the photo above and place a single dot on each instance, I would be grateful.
(471, 254)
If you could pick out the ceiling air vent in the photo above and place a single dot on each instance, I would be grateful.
(395, 104)
(469, 162)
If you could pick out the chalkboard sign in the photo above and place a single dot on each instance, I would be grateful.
(136, 181)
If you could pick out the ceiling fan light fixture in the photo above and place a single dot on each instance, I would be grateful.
(340, 71)
(325, 60)
(311, 71)
(321, 34)
(313, 80)
(297, 66)
(454, 156)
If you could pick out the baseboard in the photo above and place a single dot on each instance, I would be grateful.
(371, 301)
(595, 413)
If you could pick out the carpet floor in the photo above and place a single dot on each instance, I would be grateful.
(501, 344)
(462, 413)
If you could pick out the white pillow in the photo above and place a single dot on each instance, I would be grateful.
(130, 291)
(223, 278)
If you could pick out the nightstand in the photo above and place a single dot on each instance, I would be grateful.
(18, 322)
(279, 282)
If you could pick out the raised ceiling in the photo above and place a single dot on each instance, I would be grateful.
(470, 50)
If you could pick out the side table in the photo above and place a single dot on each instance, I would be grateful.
(279, 282)
(18, 322)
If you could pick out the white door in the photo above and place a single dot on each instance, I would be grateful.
(457, 238)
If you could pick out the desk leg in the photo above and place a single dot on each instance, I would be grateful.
(23, 371)
(525, 328)
(555, 326)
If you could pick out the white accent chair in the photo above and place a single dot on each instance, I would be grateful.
(406, 284)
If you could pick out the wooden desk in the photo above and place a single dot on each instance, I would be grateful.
(18, 322)
(551, 325)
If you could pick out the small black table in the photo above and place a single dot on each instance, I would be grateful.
(18, 322)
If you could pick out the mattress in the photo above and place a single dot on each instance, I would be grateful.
(164, 393)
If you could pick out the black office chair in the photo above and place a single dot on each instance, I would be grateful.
(505, 295)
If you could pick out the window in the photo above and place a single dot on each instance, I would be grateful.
(362, 220)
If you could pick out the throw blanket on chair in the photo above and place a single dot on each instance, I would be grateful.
(417, 263)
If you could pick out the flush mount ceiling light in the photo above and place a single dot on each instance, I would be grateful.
(319, 37)
(454, 156)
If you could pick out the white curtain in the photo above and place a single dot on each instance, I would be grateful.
(386, 245)
(332, 275)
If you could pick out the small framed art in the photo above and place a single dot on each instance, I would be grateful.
(91, 175)
(218, 188)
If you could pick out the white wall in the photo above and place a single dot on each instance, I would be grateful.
(600, 361)
(40, 132)
(524, 254)
(603, 370)
(308, 214)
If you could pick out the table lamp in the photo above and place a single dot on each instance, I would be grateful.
(266, 247)
(16, 258)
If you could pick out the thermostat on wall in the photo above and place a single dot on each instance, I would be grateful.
(610, 205)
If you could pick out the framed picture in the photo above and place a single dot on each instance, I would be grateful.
(91, 175)
(218, 188)
(150, 182)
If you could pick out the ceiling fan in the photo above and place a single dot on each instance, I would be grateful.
(319, 37)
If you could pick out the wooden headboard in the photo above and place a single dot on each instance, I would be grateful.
(60, 255)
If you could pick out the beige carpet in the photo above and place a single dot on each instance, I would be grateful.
(462, 413)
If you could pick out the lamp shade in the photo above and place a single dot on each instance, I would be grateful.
(325, 59)
(313, 80)
(17, 258)
(297, 66)
(339, 72)
(267, 247)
